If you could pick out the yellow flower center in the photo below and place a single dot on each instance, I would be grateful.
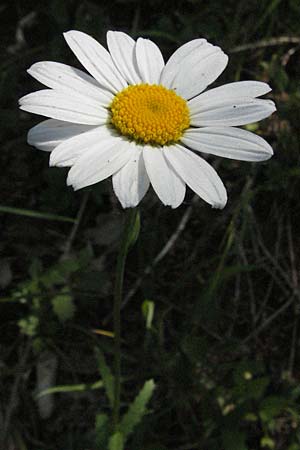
(150, 114)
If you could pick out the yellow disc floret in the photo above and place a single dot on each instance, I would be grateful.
(150, 113)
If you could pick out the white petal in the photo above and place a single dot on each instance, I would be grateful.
(198, 65)
(167, 184)
(61, 106)
(101, 161)
(230, 91)
(67, 153)
(250, 89)
(69, 80)
(179, 56)
(149, 60)
(122, 50)
(233, 112)
(131, 182)
(50, 133)
(96, 60)
(228, 142)
(198, 175)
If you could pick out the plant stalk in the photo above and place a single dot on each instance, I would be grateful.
(126, 238)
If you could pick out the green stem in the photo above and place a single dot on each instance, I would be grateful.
(130, 220)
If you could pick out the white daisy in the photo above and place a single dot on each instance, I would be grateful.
(138, 119)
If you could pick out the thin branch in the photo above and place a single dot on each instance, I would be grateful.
(281, 40)
(268, 255)
(287, 56)
(270, 319)
(72, 235)
(294, 288)
(276, 252)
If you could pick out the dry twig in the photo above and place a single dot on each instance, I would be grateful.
(281, 40)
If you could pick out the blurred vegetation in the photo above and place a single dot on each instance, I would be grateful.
(211, 309)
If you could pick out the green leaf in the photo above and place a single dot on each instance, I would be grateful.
(58, 273)
(71, 388)
(137, 409)
(107, 376)
(148, 312)
(116, 442)
(29, 325)
(251, 388)
(101, 430)
(266, 441)
(63, 306)
(251, 417)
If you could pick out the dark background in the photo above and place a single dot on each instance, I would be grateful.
(223, 345)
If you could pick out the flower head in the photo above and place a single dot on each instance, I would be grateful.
(140, 120)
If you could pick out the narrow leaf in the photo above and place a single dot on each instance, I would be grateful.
(71, 388)
(102, 431)
(148, 311)
(137, 409)
(116, 442)
(107, 376)
(35, 214)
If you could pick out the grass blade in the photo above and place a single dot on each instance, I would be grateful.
(35, 214)
(71, 388)
(107, 376)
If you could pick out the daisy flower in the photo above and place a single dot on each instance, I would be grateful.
(139, 120)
